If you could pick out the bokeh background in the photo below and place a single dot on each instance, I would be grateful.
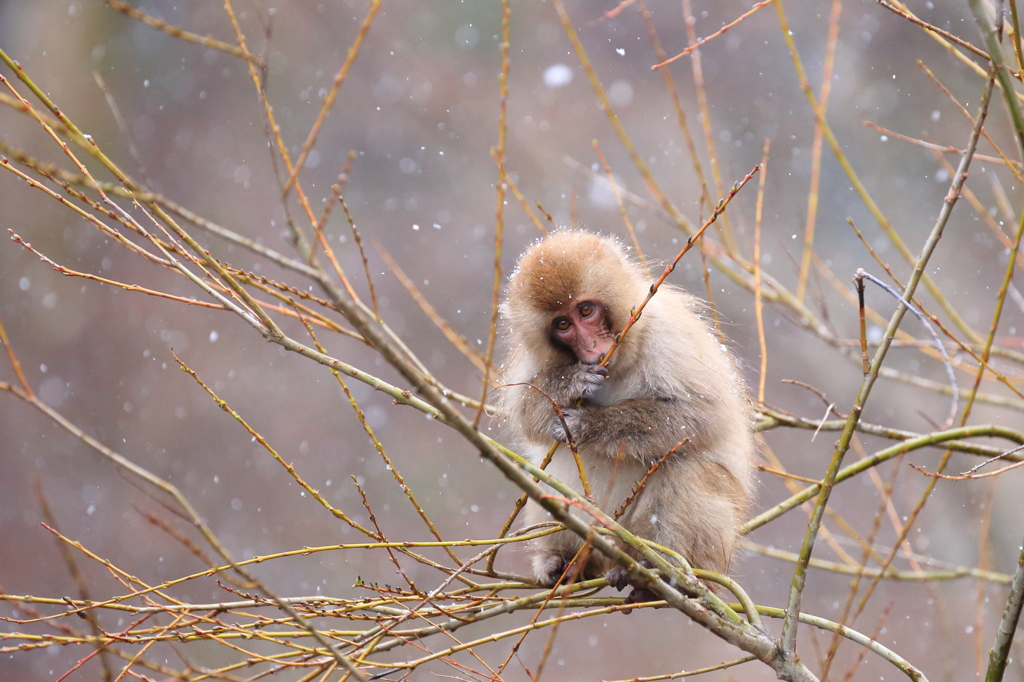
(420, 108)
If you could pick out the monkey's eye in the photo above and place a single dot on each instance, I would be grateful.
(585, 309)
(562, 324)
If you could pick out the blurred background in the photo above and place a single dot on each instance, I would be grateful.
(420, 109)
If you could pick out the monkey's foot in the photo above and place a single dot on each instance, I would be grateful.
(639, 595)
(620, 579)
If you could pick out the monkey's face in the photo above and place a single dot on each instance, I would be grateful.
(584, 328)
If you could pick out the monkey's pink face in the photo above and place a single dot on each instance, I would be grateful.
(585, 328)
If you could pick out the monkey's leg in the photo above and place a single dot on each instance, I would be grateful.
(548, 567)
(552, 554)
(698, 509)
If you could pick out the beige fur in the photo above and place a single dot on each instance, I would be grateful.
(670, 379)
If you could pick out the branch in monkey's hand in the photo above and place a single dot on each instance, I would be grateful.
(638, 311)
(567, 422)
(562, 421)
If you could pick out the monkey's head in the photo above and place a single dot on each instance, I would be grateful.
(573, 291)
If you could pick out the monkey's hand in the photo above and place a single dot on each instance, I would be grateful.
(573, 418)
(586, 380)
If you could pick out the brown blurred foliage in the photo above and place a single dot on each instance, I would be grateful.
(419, 110)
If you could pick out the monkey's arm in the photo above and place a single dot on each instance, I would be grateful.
(565, 385)
(645, 428)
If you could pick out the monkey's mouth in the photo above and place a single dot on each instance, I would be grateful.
(598, 351)
(597, 354)
(592, 359)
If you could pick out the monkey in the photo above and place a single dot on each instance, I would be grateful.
(670, 380)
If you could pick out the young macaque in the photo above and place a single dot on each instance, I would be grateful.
(669, 380)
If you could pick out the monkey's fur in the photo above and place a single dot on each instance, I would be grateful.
(670, 379)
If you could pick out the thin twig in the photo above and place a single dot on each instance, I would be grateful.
(862, 275)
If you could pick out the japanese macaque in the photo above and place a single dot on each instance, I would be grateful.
(669, 381)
